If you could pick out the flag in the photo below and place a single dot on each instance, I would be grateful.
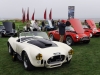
(50, 14)
(45, 13)
(23, 16)
(22, 10)
(28, 14)
(33, 15)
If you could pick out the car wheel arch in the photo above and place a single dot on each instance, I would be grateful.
(22, 54)
(29, 63)
(29, 56)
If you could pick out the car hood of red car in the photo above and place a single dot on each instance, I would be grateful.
(76, 23)
(91, 23)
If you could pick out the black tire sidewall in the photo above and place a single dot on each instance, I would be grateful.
(29, 65)
(71, 40)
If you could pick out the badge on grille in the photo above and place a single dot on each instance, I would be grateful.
(58, 53)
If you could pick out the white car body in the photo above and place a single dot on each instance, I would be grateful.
(48, 52)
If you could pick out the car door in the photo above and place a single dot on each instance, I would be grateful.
(57, 36)
(19, 46)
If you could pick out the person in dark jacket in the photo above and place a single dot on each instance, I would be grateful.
(53, 22)
(99, 24)
(62, 26)
(85, 22)
(43, 25)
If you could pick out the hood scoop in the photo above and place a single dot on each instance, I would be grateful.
(42, 43)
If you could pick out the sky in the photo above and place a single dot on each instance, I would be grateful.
(83, 8)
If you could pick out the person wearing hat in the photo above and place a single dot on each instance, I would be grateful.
(62, 26)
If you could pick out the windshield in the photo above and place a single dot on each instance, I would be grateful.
(42, 34)
(26, 34)
(69, 28)
(35, 34)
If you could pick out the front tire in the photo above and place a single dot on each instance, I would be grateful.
(68, 62)
(14, 57)
(69, 40)
(27, 64)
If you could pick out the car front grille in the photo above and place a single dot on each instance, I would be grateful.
(85, 38)
(56, 59)
(98, 33)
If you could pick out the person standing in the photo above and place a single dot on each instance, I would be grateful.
(53, 22)
(62, 26)
(43, 25)
(99, 24)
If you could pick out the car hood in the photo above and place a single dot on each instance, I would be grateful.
(83, 35)
(76, 23)
(91, 23)
(8, 26)
(53, 51)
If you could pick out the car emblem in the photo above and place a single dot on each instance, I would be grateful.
(58, 53)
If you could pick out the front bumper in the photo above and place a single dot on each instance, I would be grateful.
(54, 63)
(84, 39)
(96, 34)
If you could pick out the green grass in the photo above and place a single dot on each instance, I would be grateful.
(85, 61)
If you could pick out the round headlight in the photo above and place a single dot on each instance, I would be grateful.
(70, 52)
(77, 36)
(39, 57)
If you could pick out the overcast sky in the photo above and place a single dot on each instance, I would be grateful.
(83, 8)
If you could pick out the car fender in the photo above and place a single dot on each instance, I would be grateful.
(70, 36)
(12, 42)
(31, 55)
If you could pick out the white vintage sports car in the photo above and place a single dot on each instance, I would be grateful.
(35, 49)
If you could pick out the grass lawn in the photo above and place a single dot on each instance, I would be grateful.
(85, 61)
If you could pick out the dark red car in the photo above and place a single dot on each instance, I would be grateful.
(74, 33)
(91, 28)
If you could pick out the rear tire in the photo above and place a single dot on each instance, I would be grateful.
(27, 64)
(10, 50)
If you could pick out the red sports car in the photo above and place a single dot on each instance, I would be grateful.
(91, 28)
(74, 33)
